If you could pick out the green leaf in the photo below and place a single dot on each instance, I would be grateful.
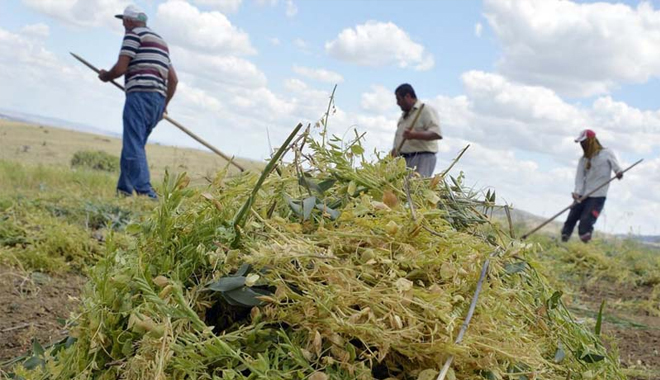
(64, 343)
(517, 267)
(243, 270)
(334, 214)
(296, 208)
(308, 206)
(333, 204)
(352, 188)
(486, 374)
(245, 296)
(591, 358)
(559, 354)
(33, 362)
(554, 299)
(308, 183)
(36, 348)
(133, 228)
(127, 348)
(326, 184)
(457, 182)
(599, 319)
(227, 284)
(69, 341)
(431, 196)
(357, 149)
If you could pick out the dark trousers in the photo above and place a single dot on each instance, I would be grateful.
(585, 212)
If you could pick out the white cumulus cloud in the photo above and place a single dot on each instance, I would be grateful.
(379, 100)
(300, 44)
(225, 6)
(291, 8)
(577, 49)
(379, 44)
(209, 32)
(213, 70)
(478, 29)
(81, 13)
(36, 30)
(25, 48)
(321, 75)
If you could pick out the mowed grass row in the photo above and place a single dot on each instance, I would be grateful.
(626, 269)
(54, 219)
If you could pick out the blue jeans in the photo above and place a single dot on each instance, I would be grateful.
(142, 111)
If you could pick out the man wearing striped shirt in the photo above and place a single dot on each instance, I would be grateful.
(150, 82)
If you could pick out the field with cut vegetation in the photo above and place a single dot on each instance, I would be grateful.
(330, 267)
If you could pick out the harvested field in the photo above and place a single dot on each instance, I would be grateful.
(313, 263)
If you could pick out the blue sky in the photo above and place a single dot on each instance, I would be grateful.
(516, 79)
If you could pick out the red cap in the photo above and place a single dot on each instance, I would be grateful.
(587, 133)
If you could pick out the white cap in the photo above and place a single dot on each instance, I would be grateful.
(133, 13)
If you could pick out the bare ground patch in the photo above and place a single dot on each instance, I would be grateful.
(30, 305)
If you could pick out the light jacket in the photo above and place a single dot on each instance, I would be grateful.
(602, 165)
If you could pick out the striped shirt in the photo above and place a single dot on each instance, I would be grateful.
(150, 61)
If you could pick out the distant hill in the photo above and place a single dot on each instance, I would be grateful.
(526, 221)
(650, 240)
(38, 144)
(52, 122)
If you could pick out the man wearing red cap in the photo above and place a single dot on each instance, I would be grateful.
(150, 82)
(593, 170)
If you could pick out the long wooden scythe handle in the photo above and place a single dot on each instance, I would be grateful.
(166, 117)
(577, 201)
(403, 141)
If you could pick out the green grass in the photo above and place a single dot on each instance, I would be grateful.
(35, 145)
(57, 219)
(54, 219)
(55, 216)
(96, 160)
(621, 261)
(612, 263)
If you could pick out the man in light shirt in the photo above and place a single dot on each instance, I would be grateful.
(593, 170)
(417, 143)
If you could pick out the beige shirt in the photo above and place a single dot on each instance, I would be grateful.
(427, 121)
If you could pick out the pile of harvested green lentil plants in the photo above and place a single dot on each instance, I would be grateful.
(317, 269)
